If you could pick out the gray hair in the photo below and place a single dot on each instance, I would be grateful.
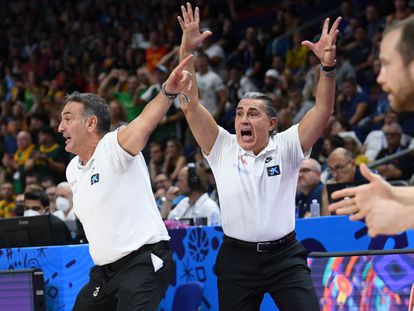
(93, 105)
(268, 105)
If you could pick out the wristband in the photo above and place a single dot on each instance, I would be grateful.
(328, 71)
(328, 68)
(168, 95)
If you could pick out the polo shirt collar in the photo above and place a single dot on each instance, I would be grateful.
(270, 147)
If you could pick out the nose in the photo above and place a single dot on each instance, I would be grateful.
(381, 77)
(60, 128)
(244, 119)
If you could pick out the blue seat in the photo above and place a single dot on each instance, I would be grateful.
(188, 297)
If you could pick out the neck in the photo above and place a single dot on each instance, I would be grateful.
(89, 149)
(193, 197)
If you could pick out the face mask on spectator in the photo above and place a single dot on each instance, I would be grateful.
(30, 212)
(62, 204)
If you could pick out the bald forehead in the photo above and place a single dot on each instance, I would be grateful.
(23, 135)
(312, 164)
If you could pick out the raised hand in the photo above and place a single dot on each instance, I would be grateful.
(325, 48)
(190, 25)
(179, 79)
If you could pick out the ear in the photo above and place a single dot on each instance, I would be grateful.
(92, 123)
(272, 123)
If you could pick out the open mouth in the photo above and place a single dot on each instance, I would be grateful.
(246, 134)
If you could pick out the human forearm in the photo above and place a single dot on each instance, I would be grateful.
(201, 122)
(313, 123)
(134, 136)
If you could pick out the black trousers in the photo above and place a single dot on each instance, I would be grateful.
(129, 283)
(245, 275)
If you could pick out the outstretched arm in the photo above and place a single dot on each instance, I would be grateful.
(201, 122)
(313, 123)
(134, 136)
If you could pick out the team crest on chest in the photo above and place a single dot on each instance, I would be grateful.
(94, 179)
(273, 170)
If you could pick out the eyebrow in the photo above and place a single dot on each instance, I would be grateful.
(248, 109)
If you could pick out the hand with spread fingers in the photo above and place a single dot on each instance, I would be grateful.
(376, 202)
(190, 25)
(191, 39)
(325, 48)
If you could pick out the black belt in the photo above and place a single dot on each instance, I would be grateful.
(262, 247)
(114, 266)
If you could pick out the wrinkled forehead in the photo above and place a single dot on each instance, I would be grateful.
(72, 108)
(251, 103)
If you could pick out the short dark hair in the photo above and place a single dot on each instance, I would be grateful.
(37, 194)
(93, 106)
(406, 43)
(268, 104)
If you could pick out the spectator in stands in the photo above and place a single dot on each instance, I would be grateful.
(213, 92)
(402, 11)
(376, 140)
(31, 179)
(192, 182)
(64, 202)
(15, 165)
(49, 158)
(7, 203)
(344, 71)
(401, 168)
(156, 159)
(352, 104)
(271, 83)
(118, 115)
(250, 54)
(125, 90)
(35, 201)
(237, 85)
(358, 51)
(297, 54)
(163, 188)
(215, 54)
(342, 128)
(375, 22)
(13, 127)
(51, 195)
(309, 187)
(174, 159)
(155, 51)
(343, 169)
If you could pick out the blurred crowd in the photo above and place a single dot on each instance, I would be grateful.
(124, 51)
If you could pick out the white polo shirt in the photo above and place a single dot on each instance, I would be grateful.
(203, 207)
(257, 193)
(113, 199)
